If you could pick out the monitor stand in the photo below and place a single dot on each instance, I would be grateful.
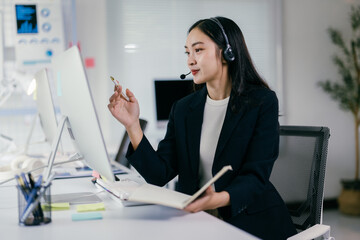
(55, 144)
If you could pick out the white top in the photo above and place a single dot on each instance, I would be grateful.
(214, 115)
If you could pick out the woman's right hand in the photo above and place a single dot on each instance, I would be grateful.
(126, 112)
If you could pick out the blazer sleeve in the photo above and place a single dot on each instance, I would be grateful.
(262, 151)
(156, 167)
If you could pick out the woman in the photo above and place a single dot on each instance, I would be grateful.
(232, 120)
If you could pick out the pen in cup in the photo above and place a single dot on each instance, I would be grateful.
(33, 192)
(116, 82)
(25, 191)
(33, 201)
(26, 183)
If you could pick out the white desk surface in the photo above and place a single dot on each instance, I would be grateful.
(119, 222)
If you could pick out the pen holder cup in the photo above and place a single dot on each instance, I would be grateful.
(35, 211)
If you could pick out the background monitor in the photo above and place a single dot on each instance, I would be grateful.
(166, 93)
(26, 19)
(45, 105)
(77, 104)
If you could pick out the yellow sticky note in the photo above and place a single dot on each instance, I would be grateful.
(57, 206)
(90, 207)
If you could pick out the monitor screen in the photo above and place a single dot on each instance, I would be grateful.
(77, 104)
(45, 105)
(167, 92)
(26, 20)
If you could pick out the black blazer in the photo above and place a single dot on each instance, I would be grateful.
(249, 142)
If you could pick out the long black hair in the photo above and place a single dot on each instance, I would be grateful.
(242, 72)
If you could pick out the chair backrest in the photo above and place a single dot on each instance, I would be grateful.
(298, 173)
(120, 156)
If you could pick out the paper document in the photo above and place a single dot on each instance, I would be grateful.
(147, 193)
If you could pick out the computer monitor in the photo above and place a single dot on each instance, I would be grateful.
(45, 105)
(77, 104)
(166, 93)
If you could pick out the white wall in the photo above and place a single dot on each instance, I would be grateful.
(307, 54)
(92, 35)
(307, 60)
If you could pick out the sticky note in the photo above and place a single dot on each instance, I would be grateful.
(56, 206)
(86, 216)
(95, 174)
(89, 62)
(90, 207)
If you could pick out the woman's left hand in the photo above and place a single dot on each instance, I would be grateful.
(209, 200)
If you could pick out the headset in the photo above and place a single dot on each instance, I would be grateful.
(20, 163)
(228, 52)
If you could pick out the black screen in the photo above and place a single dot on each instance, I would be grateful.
(167, 92)
(26, 20)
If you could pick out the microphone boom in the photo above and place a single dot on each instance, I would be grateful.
(183, 76)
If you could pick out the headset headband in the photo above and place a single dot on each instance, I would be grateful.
(228, 53)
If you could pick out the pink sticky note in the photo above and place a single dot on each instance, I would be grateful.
(95, 174)
(89, 62)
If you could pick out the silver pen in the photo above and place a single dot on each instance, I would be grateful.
(116, 82)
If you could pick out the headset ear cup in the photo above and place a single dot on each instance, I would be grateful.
(229, 55)
(31, 164)
(12, 169)
(17, 163)
(6, 172)
(20, 164)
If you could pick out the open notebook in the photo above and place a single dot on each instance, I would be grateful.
(128, 190)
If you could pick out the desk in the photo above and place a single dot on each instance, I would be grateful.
(119, 222)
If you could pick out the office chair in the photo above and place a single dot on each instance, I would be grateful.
(120, 156)
(298, 174)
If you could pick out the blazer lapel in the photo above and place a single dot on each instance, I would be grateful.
(230, 122)
(194, 123)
